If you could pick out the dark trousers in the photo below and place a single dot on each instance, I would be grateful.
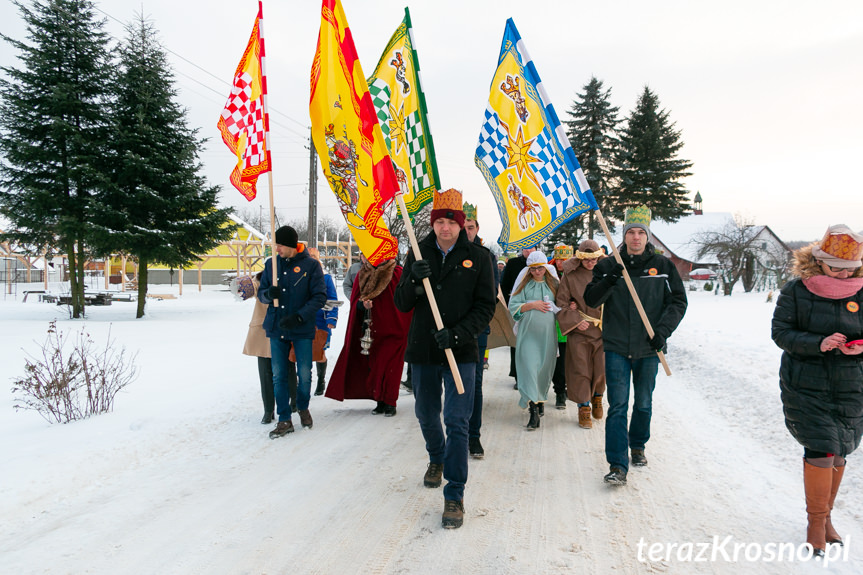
(558, 378)
(265, 374)
(450, 448)
(476, 416)
(619, 437)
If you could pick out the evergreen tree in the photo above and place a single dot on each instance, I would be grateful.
(53, 131)
(592, 131)
(159, 209)
(647, 166)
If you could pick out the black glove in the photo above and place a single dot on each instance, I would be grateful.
(657, 342)
(291, 321)
(446, 338)
(420, 269)
(614, 274)
(273, 292)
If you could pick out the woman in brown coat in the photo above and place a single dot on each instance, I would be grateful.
(258, 345)
(585, 360)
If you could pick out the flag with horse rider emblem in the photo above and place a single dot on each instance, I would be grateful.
(524, 154)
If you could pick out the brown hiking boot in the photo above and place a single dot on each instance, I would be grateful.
(434, 475)
(584, 420)
(282, 428)
(306, 418)
(453, 514)
(597, 412)
(638, 458)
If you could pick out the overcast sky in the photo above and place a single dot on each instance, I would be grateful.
(767, 94)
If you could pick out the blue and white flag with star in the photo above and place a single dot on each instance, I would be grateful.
(524, 154)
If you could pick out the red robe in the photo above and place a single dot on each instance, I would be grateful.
(378, 375)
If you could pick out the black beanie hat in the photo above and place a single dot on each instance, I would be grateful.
(286, 236)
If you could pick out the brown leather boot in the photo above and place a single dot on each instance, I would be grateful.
(817, 483)
(584, 420)
(831, 535)
(596, 402)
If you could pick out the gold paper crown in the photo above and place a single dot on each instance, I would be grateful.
(637, 215)
(562, 252)
(841, 243)
(447, 200)
(469, 211)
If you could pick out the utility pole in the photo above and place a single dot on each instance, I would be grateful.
(313, 194)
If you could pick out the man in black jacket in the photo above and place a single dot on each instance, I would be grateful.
(461, 278)
(628, 350)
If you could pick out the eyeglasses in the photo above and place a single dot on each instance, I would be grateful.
(837, 270)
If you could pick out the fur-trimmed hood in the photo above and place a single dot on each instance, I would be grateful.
(806, 266)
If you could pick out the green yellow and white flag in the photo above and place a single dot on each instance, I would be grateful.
(400, 104)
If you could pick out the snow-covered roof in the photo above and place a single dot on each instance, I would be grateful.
(677, 236)
(255, 234)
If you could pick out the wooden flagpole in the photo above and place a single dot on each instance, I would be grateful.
(267, 142)
(631, 287)
(273, 230)
(429, 293)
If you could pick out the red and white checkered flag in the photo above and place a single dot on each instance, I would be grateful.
(244, 122)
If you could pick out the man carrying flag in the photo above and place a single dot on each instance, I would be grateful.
(460, 272)
(630, 351)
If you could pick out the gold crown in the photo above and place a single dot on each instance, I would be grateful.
(842, 245)
(637, 215)
(447, 200)
(469, 211)
(562, 252)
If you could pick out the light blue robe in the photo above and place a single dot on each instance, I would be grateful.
(535, 344)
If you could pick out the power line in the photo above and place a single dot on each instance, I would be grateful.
(202, 69)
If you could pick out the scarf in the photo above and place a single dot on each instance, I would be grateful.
(374, 280)
(833, 288)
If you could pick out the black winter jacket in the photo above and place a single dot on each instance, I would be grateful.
(822, 393)
(463, 289)
(660, 290)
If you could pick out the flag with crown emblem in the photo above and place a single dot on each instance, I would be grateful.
(348, 139)
(399, 101)
(524, 154)
(244, 122)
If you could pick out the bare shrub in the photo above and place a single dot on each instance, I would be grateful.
(64, 388)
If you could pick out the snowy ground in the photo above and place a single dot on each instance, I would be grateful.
(182, 479)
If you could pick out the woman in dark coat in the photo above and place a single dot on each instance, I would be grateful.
(818, 322)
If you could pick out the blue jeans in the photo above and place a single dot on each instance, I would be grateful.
(281, 350)
(617, 373)
(451, 450)
(476, 416)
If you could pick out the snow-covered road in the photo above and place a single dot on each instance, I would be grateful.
(182, 479)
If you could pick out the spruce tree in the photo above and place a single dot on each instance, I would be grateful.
(159, 208)
(592, 131)
(647, 166)
(53, 131)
